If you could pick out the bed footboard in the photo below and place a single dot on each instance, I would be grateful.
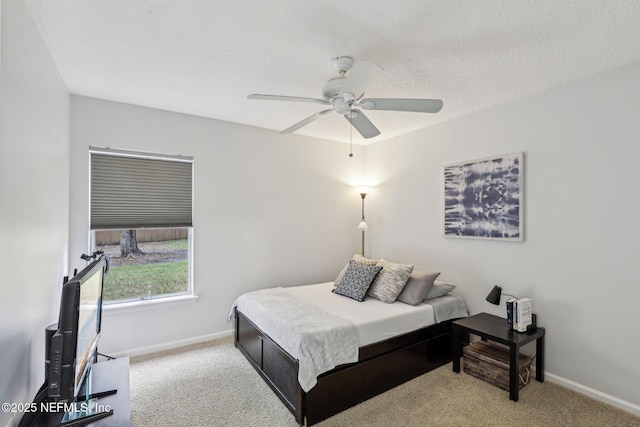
(405, 358)
(381, 367)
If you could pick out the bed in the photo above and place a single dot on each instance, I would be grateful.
(372, 346)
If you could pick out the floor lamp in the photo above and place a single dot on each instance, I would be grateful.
(363, 227)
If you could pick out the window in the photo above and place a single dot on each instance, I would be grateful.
(141, 218)
(145, 263)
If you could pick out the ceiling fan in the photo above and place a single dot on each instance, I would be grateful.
(344, 95)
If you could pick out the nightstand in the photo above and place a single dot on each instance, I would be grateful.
(494, 328)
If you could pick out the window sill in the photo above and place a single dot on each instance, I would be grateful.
(130, 306)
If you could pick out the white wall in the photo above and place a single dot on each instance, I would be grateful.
(579, 261)
(34, 201)
(270, 210)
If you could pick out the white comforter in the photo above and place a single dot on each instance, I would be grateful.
(319, 340)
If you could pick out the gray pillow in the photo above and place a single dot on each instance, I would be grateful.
(416, 289)
(439, 289)
(356, 280)
(389, 283)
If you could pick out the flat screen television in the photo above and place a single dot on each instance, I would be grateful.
(73, 346)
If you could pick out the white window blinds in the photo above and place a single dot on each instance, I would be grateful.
(140, 190)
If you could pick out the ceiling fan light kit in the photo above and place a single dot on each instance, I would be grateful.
(344, 93)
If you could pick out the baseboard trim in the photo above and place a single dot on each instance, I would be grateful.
(594, 394)
(172, 344)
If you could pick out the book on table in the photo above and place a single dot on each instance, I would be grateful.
(519, 314)
(510, 312)
(523, 314)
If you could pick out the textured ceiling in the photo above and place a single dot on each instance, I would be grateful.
(203, 57)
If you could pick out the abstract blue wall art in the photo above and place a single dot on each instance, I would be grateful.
(483, 198)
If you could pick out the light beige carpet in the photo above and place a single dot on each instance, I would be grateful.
(212, 384)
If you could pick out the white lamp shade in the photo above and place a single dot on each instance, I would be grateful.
(363, 189)
(363, 226)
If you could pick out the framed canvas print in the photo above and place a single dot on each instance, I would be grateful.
(483, 199)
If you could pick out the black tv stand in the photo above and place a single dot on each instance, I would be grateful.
(98, 395)
(111, 381)
(86, 419)
(91, 417)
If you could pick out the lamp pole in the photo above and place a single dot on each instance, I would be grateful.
(363, 227)
(363, 195)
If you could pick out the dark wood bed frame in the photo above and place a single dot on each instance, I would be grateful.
(380, 367)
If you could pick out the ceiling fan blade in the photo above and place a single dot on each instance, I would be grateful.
(362, 124)
(362, 74)
(306, 121)
(287, 98)
(402, 104)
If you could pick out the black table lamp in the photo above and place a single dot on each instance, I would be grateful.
(495, 294)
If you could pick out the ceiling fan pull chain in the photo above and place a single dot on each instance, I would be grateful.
(350, 136)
